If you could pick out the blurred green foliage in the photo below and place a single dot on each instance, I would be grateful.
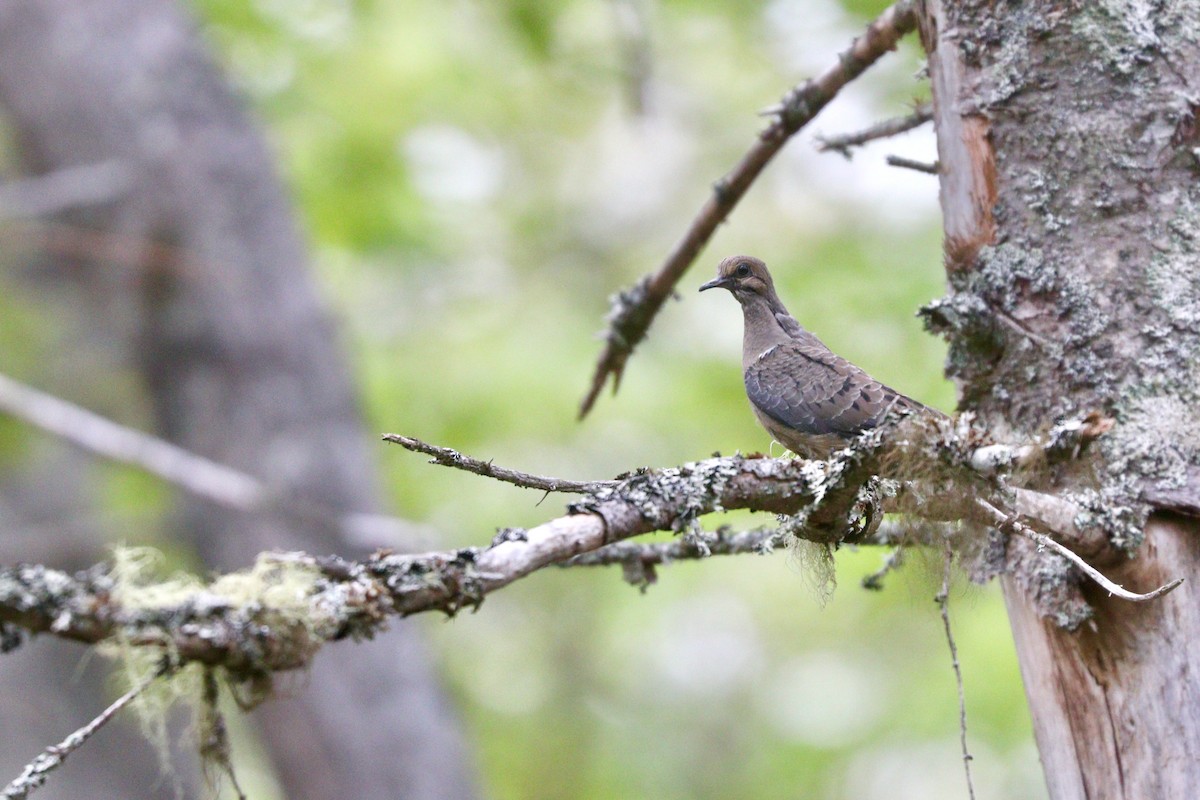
(476, 178)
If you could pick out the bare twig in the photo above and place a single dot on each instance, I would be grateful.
(634, 309)
(196, 474)
(919, 166)
(892, 562)
(943, 601)
(922, 114)
(452, 458)
(82, 185)
(35, 772)
(1004, 521)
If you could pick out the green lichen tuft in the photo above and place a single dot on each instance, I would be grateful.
(274, 592)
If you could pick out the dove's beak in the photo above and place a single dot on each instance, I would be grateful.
(716, 283)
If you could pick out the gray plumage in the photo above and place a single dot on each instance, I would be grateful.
(806, 396)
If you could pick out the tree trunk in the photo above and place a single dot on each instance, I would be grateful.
(1070, 194)
(199, 272)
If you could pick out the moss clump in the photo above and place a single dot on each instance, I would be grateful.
(275, 594)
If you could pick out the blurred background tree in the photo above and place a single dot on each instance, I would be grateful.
(474, 180)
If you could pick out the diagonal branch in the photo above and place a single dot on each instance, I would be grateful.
(452, 458)
(36, 771)
(634, 309)
(1003, 521)
(200, 476)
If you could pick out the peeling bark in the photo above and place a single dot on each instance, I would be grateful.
(1066, 135)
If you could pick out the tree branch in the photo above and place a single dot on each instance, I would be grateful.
(895, 126)
(916, 166)
(200, 476)
(1004, 521)
(634, 309)
(638, 560)
(54, 192)
(452, 458)
(295, 602)
(35, 772)
(335, 598)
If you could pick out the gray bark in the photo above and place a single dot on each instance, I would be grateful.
(1066, 134)
(197, 274)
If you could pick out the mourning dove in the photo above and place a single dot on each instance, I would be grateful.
(810, 399)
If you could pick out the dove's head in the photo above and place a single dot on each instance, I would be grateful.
(744, 277)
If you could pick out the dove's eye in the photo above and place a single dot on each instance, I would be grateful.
(743, 270)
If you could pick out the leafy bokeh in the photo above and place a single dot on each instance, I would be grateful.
(477, 178)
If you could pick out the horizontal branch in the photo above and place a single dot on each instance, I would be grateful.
(895, 126)
(294, 602)
(633, 310)
(64, 189)
(917, 166)
(722, 542)
(338, 598)
(1063, 442)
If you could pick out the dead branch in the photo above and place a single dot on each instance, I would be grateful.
(342, 599)
(354, 599)
(452, 458)
(200, 476)
(943, 601)
(895, 126)
(722, 542)
(54, 192)
(916, 166)
(1063, 442)
(891, 563)
(328, 598)
(35, 772)
(1005, 522)
(638, 560)
(634, 309)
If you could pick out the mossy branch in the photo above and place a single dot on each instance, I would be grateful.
(275, 616)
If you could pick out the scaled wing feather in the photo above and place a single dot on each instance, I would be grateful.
(805, 386)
